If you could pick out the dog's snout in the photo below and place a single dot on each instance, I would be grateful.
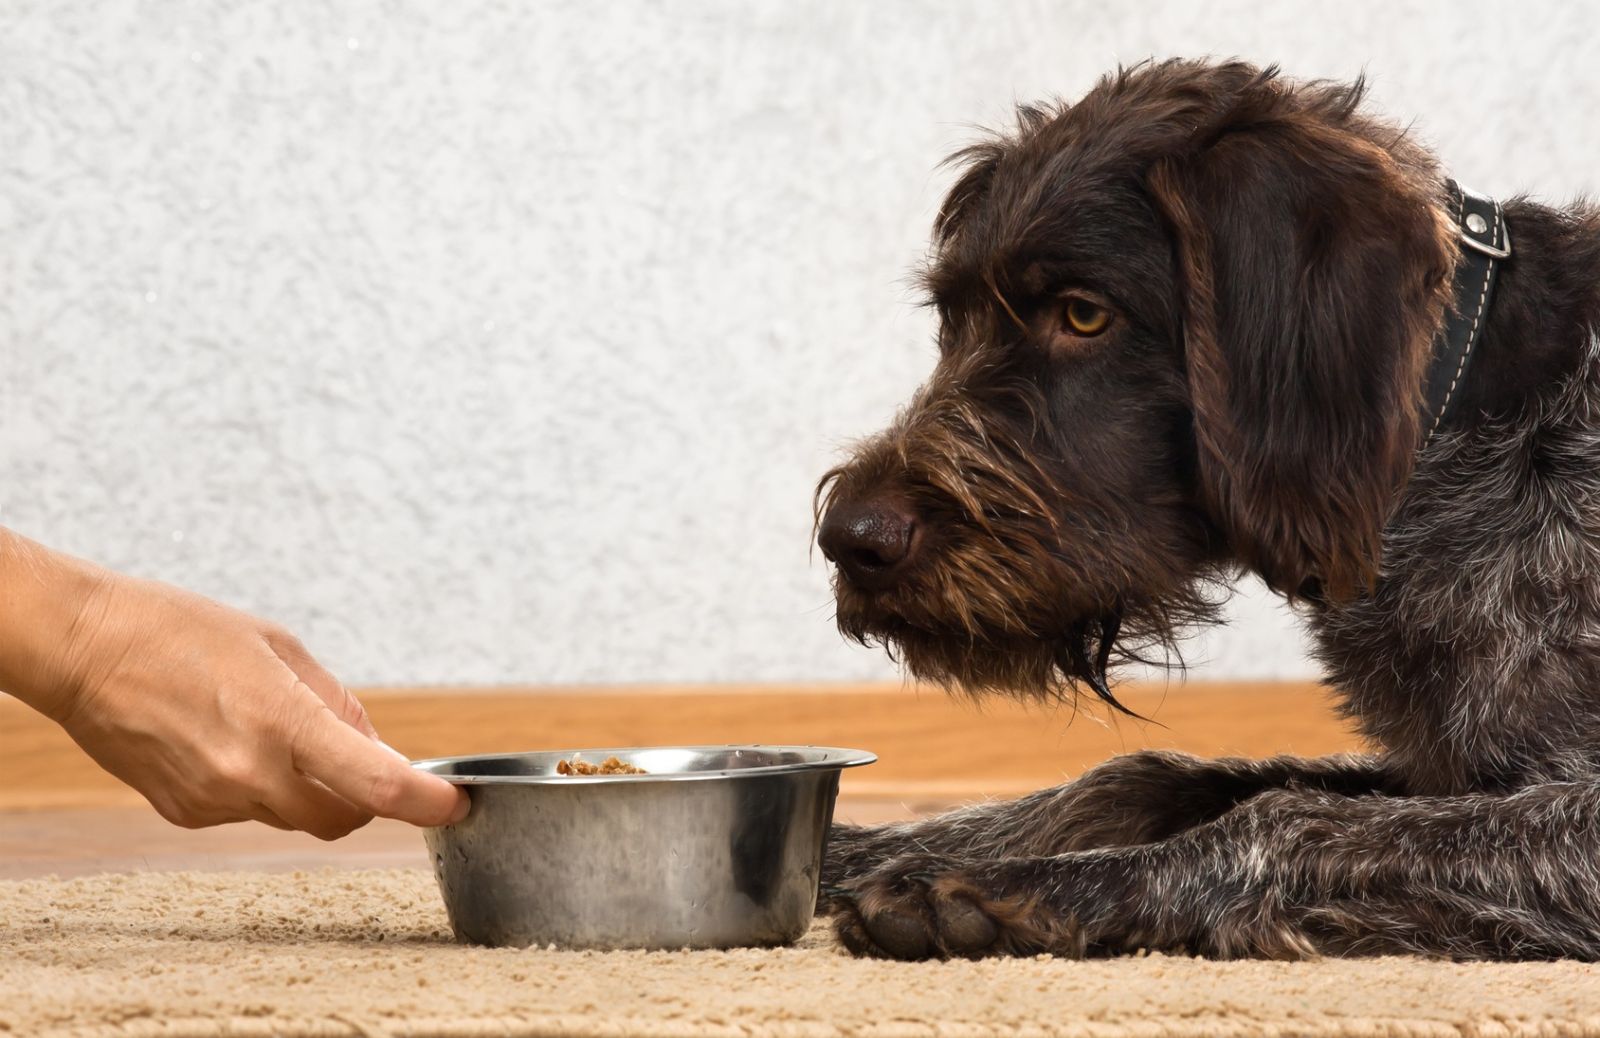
(872, 540)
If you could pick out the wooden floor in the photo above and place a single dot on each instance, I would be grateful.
(60, 814)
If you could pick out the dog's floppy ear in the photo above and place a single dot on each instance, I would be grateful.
(1314, 270)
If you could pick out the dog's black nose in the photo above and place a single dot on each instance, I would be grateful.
(871, 541)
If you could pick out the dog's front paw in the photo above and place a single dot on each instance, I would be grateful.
(927, 907)
(853, 852)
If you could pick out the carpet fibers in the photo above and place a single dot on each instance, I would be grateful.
(369, 953)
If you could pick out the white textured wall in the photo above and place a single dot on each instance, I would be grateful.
(504, 341)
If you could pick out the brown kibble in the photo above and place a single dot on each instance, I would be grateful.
(609, 766)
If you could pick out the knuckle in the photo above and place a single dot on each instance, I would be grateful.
(348, 825)
(282, 639)
(171, 812)
(298, 720)
(346, 706)
(330, 831)
(185, 815)
(352, 706)
(231, 773)
(386, 793)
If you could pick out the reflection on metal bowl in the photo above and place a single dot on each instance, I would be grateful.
(713, 847)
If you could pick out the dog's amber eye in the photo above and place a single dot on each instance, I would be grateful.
(1085, 318)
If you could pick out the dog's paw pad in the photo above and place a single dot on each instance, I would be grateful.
(902, 932)
(964, 928)
(909, 910)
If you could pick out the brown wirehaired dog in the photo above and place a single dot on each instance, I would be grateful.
(1184, 326)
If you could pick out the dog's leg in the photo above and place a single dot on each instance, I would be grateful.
(1133, 799)
(1288, 873)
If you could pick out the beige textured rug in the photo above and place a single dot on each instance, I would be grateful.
(368, 953)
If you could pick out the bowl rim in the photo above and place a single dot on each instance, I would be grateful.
(824, 758)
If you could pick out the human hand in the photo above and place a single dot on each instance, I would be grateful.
(216, 716)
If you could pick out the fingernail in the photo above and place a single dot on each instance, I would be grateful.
(463, 805)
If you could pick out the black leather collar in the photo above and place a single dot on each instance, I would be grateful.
(1485, 242)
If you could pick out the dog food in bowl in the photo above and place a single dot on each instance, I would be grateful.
(609, 766)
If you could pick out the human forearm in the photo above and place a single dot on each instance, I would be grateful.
(47, 599)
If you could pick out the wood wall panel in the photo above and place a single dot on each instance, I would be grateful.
(929, 744)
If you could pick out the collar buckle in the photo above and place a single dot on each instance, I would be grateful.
(1480, 224)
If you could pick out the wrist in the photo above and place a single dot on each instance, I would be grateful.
(49, 603)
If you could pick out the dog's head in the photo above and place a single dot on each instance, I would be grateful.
(1183, 325)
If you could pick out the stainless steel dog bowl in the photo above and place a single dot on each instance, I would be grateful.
(716, 847)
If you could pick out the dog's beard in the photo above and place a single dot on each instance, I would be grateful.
(1089, 666)
(1024, 589)
(1058, 655)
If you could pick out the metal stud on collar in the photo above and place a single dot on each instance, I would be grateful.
(1485, 241)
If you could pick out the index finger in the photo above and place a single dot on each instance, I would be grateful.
(372, 776)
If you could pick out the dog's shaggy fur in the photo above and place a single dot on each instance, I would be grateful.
(1275, 265)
